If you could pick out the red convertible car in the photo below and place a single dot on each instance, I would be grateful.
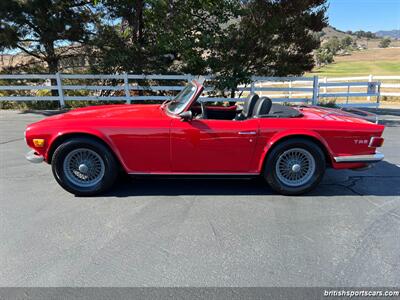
(289, 146)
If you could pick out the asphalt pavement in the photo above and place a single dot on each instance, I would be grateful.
(179, 232)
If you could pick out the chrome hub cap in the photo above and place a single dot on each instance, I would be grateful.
(295, 167)
(84, 167)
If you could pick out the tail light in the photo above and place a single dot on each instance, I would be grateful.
(376, 141)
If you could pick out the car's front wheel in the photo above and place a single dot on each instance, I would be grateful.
(294, 167)
(84, 166)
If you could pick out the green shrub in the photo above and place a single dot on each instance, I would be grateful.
(331, 103)
(22, 105)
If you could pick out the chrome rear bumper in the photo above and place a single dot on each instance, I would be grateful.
(369, 158)
(33, 157)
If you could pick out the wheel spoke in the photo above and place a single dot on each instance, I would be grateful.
(295, 167)
(84, 167)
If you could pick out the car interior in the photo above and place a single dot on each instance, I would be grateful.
(254, 107)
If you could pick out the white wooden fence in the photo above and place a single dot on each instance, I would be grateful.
(390, 85)
(132, 87)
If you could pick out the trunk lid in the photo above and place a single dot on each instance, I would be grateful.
(345, 114)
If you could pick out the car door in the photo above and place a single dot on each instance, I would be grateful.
(212, 146)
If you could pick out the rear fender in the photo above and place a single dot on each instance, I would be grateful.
(284, 135)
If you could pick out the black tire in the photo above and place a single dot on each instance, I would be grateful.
(314, 177)
(109, 162)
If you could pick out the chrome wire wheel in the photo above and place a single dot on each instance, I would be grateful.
(84, 167)
(295, 167)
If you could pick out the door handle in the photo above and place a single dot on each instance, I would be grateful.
(247, 132)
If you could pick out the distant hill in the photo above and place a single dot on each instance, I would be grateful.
(363, 38)
(394, 34)
(329, 32)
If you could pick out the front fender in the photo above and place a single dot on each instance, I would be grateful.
(60, 134)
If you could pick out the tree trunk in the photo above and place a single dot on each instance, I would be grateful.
(232, 96)
(170, 12)
(139, 21)
(53, 69)
(52, 63)
(134, 16)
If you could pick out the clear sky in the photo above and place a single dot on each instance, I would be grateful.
(367, 15)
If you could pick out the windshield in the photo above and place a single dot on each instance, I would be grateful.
(178, 104)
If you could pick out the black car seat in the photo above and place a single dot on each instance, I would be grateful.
(262, 107)
(248, 107)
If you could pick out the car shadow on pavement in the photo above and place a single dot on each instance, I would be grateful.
(380, 181)
(189, 186)
(383, 111)
(43, 112)
(389, 117)
(390, 123)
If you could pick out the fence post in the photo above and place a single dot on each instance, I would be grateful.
(378, 98)
(252, 85)
(370, 78)
(126, 87)
(315, 91)
(60, 90)
(325, 80)
(290, 89)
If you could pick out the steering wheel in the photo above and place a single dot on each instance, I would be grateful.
(203, 110)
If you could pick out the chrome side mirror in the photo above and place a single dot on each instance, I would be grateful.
(186, 115)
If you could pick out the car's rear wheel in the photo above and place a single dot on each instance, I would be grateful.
(295, 166)
(84, 166)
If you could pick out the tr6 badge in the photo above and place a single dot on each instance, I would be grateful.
(359, 142)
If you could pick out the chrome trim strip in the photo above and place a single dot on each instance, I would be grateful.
(247, 132)
(360, 158)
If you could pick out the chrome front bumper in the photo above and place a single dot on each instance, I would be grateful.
(369, 158)
(33, 157)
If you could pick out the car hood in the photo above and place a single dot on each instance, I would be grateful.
(118, 111)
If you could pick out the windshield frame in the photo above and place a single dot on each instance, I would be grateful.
(198, 88)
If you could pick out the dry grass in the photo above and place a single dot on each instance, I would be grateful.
(373, 54)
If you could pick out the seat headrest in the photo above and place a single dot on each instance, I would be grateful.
(248, 106)
(262, 107)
